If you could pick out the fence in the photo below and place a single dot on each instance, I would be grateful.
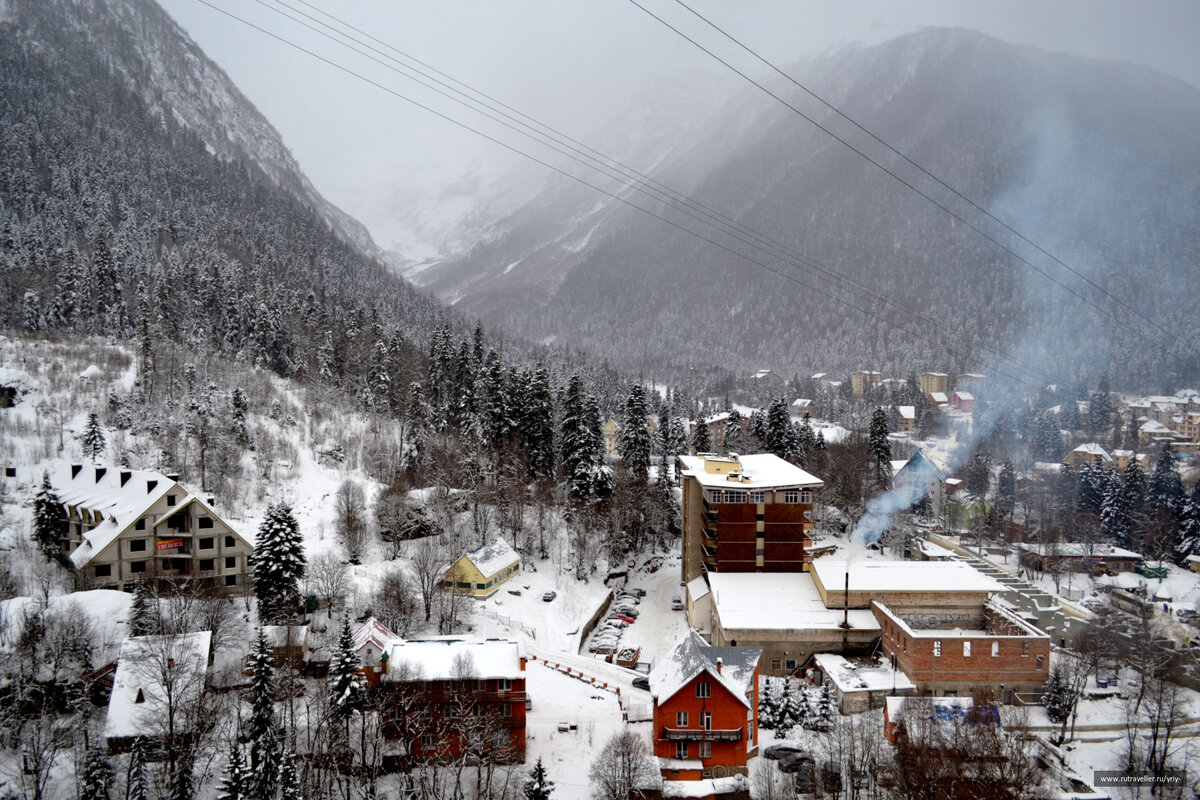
(507, 621)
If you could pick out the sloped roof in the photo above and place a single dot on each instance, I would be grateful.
(434, 659)
(119, 505)
(1093, 449)
(692, 656)
(493, 556)
(141, 667)
(920, 460)
(372, 631)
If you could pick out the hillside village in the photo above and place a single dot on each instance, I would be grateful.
(770, 640)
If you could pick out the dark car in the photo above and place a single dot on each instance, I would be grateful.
(797, 762)
(641, 683)
(548, 596)
(778, 751)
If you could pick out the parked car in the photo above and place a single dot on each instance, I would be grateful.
(628, 611)
(641, 682)
(636, 591)
(625, 618)
(677, 603)
(548, 596)
(777, 751)
(615, 623)
(797, 762)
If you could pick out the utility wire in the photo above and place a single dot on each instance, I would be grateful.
(601, 162)
(725, 248)
(906, 183)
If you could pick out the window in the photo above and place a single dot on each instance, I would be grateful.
(428, 741)
(735, 497)
(504, 685)
(715, 496)
(104, 570)
(1041, 662)
(706, 720)
(703, 690)
(937, 649)
(137, 545)
(706, 750)
(1024, 649)
(207, 543)
(207, 565)
(681, 719)
(170, 499)
(758, 497)
(995, 649)
(481, 685)
(776, 665)
(966, 649)
(231, 562)
(681, 750)
(140, 525)
(204, 522)
(506, 709)
(789, 664)
(137, 567)
(806, 496)
(229, 541)
(791, 496)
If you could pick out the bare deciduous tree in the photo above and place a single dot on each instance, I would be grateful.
(622, 766)
(326, 578)
(350, 513)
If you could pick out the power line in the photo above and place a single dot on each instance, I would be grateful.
(582, 181)
(906, 183)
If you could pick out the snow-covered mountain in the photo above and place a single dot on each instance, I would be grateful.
(1082, 156)
(157, 60)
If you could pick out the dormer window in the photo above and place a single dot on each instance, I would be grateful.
(141, 697)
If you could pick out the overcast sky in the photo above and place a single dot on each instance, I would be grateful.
(574, 64)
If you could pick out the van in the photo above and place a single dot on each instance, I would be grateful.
(677, 603)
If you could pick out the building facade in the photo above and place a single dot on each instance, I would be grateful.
(481, 572)
(745, 514)
(930, 382)
(127, 525)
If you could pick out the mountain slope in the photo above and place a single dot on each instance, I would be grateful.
(1082, 156)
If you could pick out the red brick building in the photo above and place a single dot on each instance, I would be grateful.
(745, 514)
(450, 696)
(705, 709)
(990, 656)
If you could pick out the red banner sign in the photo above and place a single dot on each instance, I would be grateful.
(169, 544)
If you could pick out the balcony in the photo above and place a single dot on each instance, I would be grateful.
(710, 515)
(709, 552)
(709, 533)
(699, 735)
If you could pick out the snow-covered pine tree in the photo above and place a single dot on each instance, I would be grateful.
(537, 424)
(327, 358)
(289, 779)
(1114, 515)
(1057, 697)
(347, 687)
(794, 710)
(578, 456)
(235, 782)
(93, 440)
(1047, 439)
(1189, 528)
(768, 705)
(238, 405)
(825, 709)
(701, 439)
(416, 419)
(1006, 490)
(538, 786)
(881, 451)
(96, 777)
(1100, 410)
(143, 610)
(278, 564)
(49, 519)
(635, 434)
(1165, 491)
(136, 785)
(263, 734)
(1093, 481)
(781, 438)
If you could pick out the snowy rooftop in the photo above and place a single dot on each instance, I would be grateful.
(23, 382)
(493, 556)
(708, 787)
(285, 635)
(372, 631)
(120, 496)
(938, 398)
(921, 460)
(1078, 550)
(903, 576)
(1154, 426)
(692, 656)
(907, 412)
(146, 667)
(435, 659)
(697, 587)
(932, 550)
(944, 709)
(757, 471)
(1093, 449)
(777, 601)
(862, 676)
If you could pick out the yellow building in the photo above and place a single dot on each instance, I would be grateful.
(481, 571)
(933, 382)
(859, 381)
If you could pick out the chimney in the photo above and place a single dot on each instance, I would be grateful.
(212, 500)
(125, 476)
(718, 665)
(100, 471)
(75, 470)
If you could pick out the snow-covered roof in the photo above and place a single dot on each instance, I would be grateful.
(757, 471)
(285, 635)
(1154, 426)
(1093, 449)
(434, 659)
(716, 418)
(23, 382)
(777, 601)
(861, 676)
(146, 667)
(920, 460)
(802, 402)
(816, 376)
(691, 656)
(907, 412)
(697, 587)
(120, 496)
(942, 709)
(961, 395)
(1077, 550)
(493, 556)
(1122, 453)
(903, 576)
(936, 374)
(1193, 559)
(932, 550)
(707, 787)
(372, 631)
(938, 398)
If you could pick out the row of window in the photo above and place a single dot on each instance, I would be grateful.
(681, 720)
(139, 567)
(937, 649)
(732, 496)
(204, 543)
(703, 749)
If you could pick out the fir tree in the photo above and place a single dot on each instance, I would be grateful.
(417, 418)
(635, 434)
(235, 783)
(1100, 410)
(143, 610)
(1164, 495)
(238, 405)
(794, 710)
(1057, 698)
(881, 451)
(1189, 532)
(289, 780)
(278, 563)
(327, 358)
(824, 709)
(263, 734)
(347, 686)
(1047, 439)
(49, 519)
(537, 424)
(96, 779)
(781, 438)
(582, 442)
(136, 784)
(93, 440)
(1006, 490)
(538, 786)
(701, 439)
(1114, 513)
